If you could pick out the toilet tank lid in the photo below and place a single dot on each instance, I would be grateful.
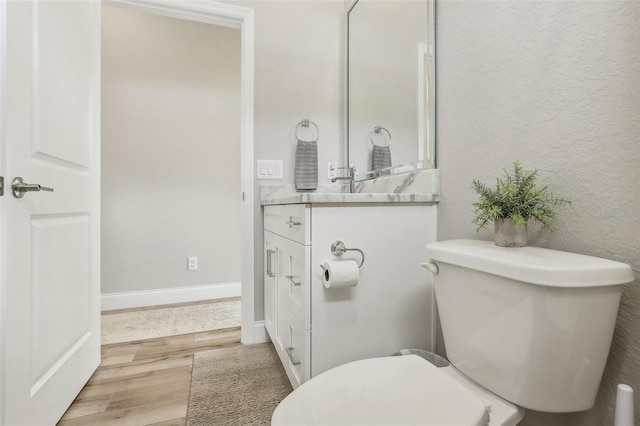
(533, 265)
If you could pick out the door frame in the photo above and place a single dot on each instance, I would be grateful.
(242, 18)
(3, 279)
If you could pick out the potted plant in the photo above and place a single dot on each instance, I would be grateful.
(514, 200)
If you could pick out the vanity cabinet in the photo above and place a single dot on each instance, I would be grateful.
(286, 292)
(313, 328)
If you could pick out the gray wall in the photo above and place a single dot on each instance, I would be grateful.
(298, 74)
(555, 85)
(170, 152)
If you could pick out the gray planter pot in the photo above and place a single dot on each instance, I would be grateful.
(508, 234)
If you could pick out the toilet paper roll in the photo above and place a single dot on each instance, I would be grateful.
(342, 273)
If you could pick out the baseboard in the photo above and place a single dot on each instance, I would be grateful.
(165, 296)
(260, 334)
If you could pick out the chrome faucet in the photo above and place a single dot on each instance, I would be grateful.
(351, 177)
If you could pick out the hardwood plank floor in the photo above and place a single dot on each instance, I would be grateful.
(146, 382)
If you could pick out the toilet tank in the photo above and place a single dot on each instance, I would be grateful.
(531, 325)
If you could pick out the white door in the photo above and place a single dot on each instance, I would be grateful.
(50, 240)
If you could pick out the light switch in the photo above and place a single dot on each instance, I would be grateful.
(332, 170)
(270, 169)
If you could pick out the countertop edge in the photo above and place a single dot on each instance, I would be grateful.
(346, 198)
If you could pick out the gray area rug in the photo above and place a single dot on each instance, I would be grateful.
(235, 386)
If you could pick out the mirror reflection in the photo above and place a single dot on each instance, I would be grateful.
(391, 81)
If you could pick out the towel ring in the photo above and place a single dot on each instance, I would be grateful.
(379, 130)
(305, 123)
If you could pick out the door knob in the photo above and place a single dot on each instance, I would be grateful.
(19, 187)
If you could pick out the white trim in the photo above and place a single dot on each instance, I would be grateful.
(207, 12)
(435, 318)
(426, 93)
(260, 334)
(423, 53)
(237, 17)
(431, 102)
(247, 179)
(166, 296)
(3, 165)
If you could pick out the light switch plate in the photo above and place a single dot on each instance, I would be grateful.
(270, 169)
(332, 170)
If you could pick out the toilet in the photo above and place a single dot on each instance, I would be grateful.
(523, 327)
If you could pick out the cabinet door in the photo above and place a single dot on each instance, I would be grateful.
(271, 284)
(296, 343)
(294, 280)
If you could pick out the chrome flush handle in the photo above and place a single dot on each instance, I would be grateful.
(19, 187)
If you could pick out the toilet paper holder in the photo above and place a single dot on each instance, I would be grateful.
(338, 249)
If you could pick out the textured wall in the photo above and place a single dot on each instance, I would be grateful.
(555, 85)
(170, 152)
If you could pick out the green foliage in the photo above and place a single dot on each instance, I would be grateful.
(516, 197)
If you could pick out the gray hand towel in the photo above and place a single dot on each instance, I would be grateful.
(306, 170)
(381, 158)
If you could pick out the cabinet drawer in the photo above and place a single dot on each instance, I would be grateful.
(294, 280)
(290, 221)
(296, 353)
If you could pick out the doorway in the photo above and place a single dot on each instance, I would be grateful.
(177, 215)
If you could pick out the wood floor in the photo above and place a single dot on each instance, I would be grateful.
(145, 382)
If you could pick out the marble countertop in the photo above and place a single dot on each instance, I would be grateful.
(417, 187)
(343, 197)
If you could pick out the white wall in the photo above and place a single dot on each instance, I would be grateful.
(170, 150)
(298, 74)
(555, 85)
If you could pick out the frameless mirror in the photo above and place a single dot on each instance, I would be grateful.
(390, 111)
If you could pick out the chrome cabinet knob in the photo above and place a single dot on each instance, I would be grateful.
(292, 222)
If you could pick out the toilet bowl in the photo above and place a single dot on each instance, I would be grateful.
(524, 328)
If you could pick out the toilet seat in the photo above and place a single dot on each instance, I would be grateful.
(402, 390)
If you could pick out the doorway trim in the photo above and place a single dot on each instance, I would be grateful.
(215, 13)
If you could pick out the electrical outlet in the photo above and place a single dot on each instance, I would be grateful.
(192, 263)
(332, 170)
